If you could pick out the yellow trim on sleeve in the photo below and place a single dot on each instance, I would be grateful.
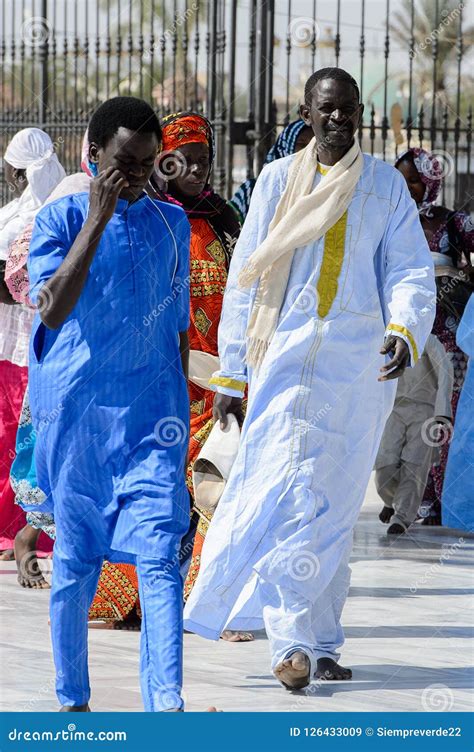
(331, 265)
(408, 335)
(239, 386)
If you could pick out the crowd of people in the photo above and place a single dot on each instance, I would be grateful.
(178, 376)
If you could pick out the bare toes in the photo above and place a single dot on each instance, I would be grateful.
(229, 636)
(294, 672)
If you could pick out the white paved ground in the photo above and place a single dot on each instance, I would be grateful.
(406, 620)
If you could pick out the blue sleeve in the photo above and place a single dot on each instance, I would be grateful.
(182, 279)
(55, 230)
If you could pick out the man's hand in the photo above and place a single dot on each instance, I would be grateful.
(224, 405)
(398, 350)
(104, 192)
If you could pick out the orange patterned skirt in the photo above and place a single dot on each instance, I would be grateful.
(117, 593)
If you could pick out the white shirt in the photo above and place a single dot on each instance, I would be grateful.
(15, 328)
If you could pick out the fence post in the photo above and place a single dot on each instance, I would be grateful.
(212, 61)
(43, 57)
(231, 106)
(260, 79)
(270, 23)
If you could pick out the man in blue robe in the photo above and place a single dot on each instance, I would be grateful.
(109, 271)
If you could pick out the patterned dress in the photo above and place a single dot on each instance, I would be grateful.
(209, 268)
(23, 471)
(445, 328)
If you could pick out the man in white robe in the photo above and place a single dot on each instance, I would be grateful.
(318, 401)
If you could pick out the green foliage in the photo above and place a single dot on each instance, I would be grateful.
(435, 44)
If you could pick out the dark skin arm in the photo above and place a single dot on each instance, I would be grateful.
(184, 352)
(397, 348)
(60, 294)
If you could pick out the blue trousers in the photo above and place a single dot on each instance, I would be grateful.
(161, 652)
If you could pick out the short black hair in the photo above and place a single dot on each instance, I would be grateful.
(338, 74)
(122, 112)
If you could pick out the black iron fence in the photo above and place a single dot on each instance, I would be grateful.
(243, 63)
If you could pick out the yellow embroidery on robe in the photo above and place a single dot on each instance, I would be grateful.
(201, 321)
(203, 434)
(331, 265)
(408, 335)
(197, 407)
(229, 383)
(216, 250)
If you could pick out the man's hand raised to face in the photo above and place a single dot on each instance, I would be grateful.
(61, 292)
(398, 350)
(104, 193)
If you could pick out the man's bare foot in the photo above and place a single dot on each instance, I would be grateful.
(386, 514)
(29, 572)
(230, 636)
(294, 672)
(75, 709)
(7, 555)
(329, 670)
(131, 623)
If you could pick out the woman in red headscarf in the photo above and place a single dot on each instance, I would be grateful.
(186, 163)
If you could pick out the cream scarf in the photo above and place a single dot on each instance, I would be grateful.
(302, 216)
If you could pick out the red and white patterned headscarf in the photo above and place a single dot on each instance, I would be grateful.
(430, 171)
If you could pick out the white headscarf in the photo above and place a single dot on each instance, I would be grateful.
(31, 149)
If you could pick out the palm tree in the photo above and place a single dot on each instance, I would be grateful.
(173, 49)
(435, 32)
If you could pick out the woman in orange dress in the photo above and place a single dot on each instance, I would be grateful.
(186, 164)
